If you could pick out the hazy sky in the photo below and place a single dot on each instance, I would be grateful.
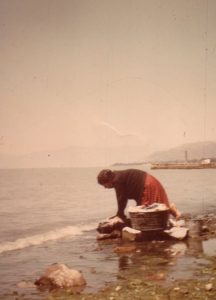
(99, 72)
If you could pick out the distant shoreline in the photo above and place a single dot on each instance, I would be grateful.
(129, 164)
(188, 165)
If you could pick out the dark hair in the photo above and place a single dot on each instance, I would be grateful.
(105, 176)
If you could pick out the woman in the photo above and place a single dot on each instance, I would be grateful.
(135, 184)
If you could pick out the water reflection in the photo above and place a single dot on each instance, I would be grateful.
(195, 247)
(163, 260)
(209, 247)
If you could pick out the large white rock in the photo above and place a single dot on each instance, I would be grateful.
(177, 232)
(60, 276)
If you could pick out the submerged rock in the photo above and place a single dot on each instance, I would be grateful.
(60, 276)
(130, 234)
(125, 249)
(113, 235)
(25, 284)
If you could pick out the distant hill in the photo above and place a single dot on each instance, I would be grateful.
(196, 150)
(74, 156)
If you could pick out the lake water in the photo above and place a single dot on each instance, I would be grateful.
(50, 215)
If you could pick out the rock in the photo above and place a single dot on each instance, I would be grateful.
(208, 286)
(130, 234)
(25, 284)
(177, 223)
(60, 276)
(118, 288)
(205, 229)
(177, 232)
(156, 276)
(109, 225)
(195, 228)
(113, 235)
(125, 249)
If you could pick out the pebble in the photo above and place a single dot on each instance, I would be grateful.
(123, 249)
(118, 288)
(25, 284)
(208, 286)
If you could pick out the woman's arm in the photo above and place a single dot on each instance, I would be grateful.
(121, 202)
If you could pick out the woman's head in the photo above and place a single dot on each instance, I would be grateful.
(105, 178)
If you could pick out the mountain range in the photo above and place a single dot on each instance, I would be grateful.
(191, 151)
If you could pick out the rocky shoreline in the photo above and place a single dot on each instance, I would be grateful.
(154, 286)
(157, 269)
(153, 277)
